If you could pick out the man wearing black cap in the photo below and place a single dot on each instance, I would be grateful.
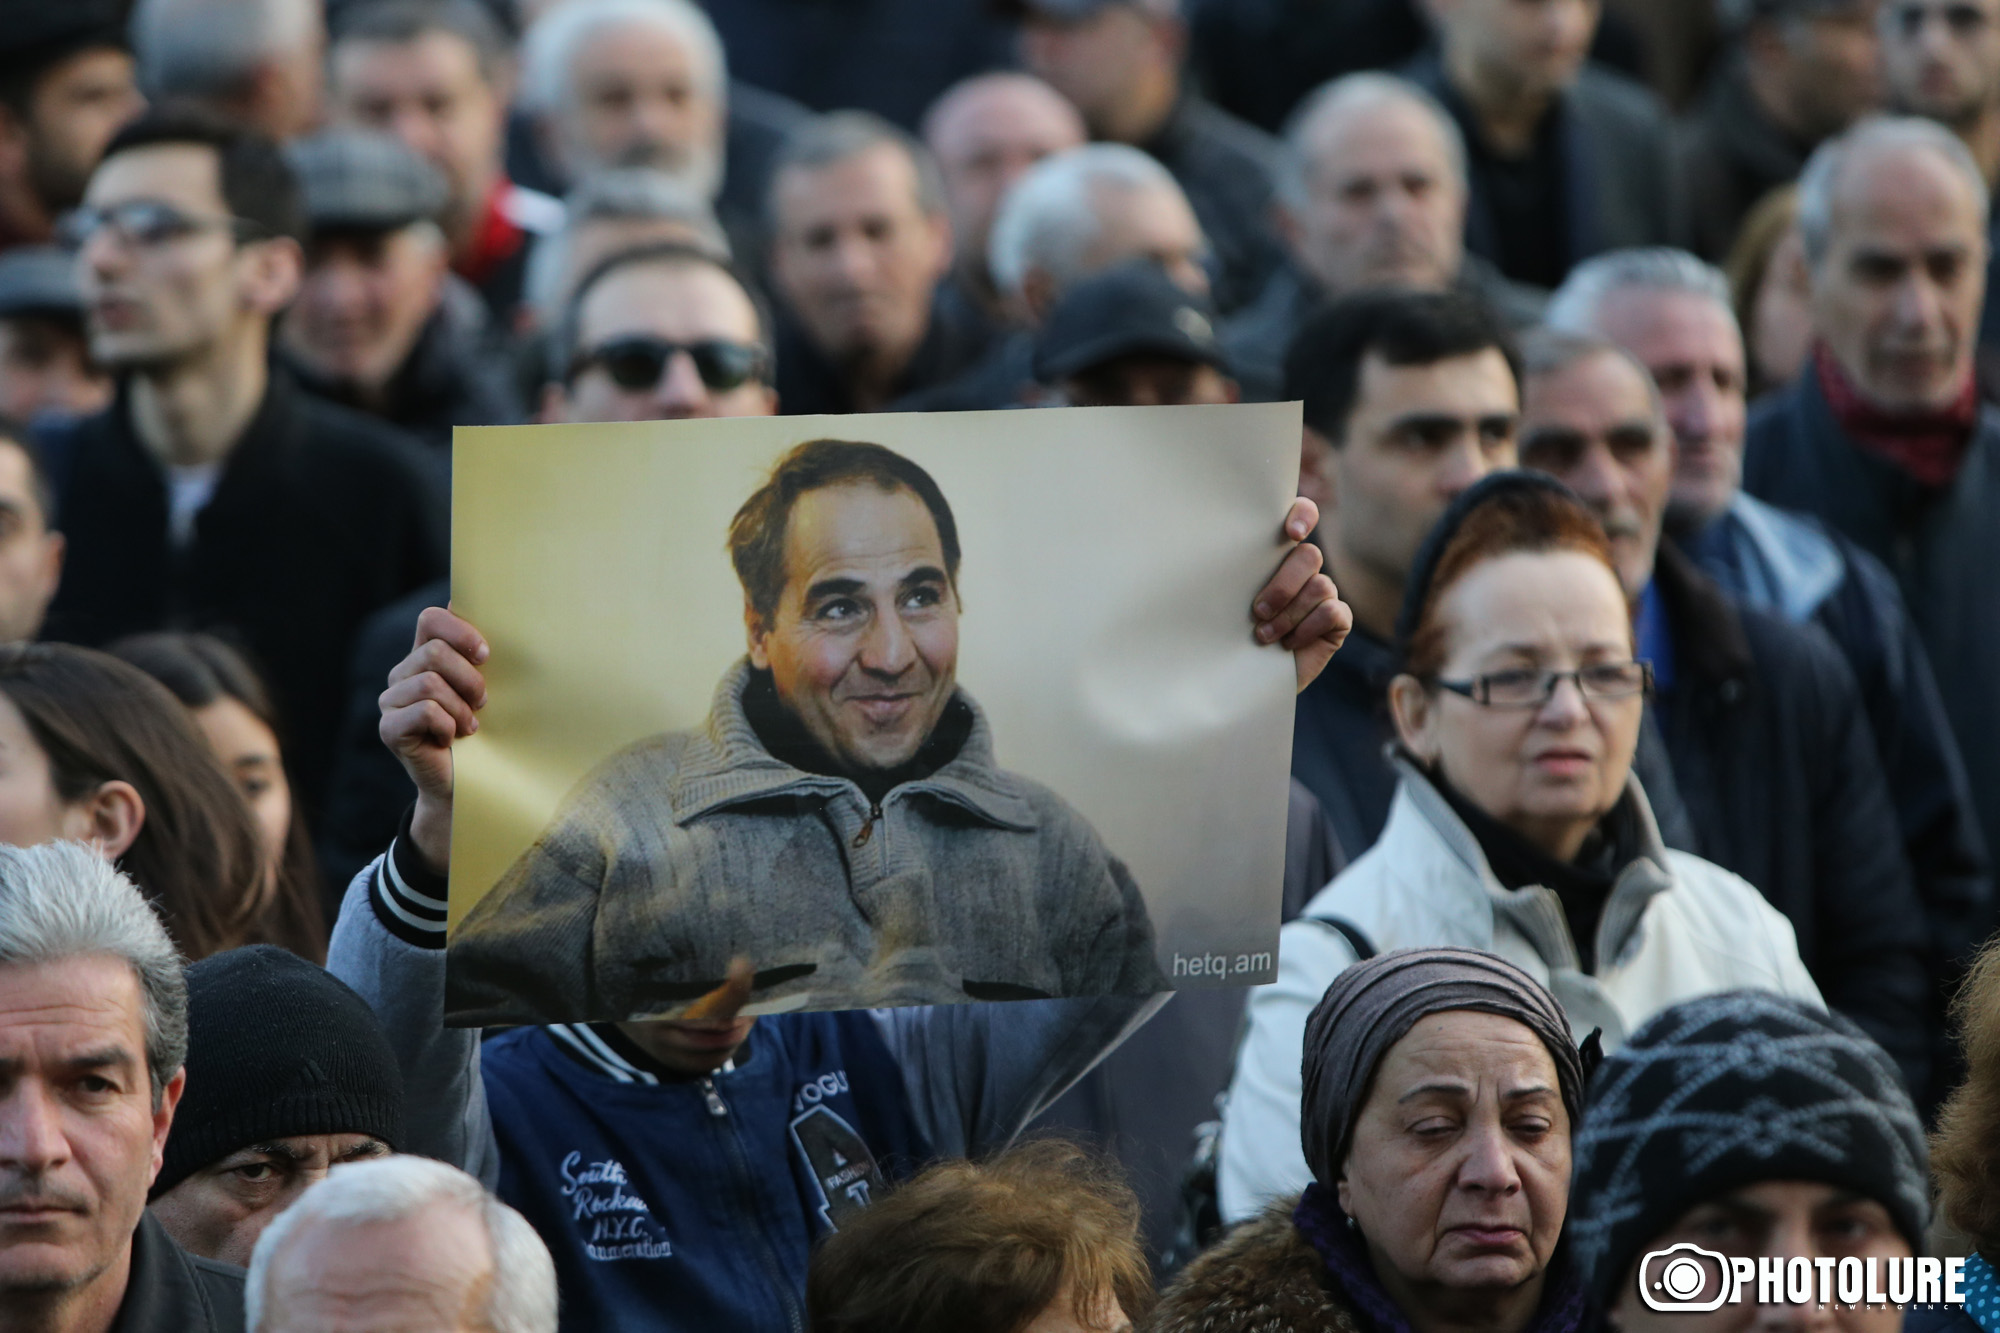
(1132, 337)
(45, 365)
(1754, 1127)
(380, 323)
(1120, 63)
(66, 84)
(289, 1075)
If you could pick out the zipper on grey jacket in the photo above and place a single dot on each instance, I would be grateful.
(867, 828)
(716, 1106)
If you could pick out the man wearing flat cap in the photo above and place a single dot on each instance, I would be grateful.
(66, 85)
(380, 323)
(1132, 337)
(46, 373)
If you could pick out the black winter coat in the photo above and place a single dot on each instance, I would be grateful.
(1942, 545)
(1774, 757)
(320, 516)
(1616, 165)
(171, 1291)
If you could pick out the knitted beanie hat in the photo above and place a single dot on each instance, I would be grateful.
(277, 1047)
(1729, 1090)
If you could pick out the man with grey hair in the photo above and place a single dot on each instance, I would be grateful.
(1070, 217)
(628, 83)
(860, 246)
(1672, 312)
(1371, 193)
(258, 65)
(1795, 72)
(93, 1036)
(1079, 212)
(608, 212)
(645, 83)
(435, 73)
(1120, 63)
(1882, 435)
(986, 132)
(1761, 717)
(400, 1242)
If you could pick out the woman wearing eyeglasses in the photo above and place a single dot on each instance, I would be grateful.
(1517, 826)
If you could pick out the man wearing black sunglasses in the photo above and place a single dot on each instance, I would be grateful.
(213, 493)
(1770, 746)
(658, 333)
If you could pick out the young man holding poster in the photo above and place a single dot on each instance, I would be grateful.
(680, 1170)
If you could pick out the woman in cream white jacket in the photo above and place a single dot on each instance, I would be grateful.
(1517, 828)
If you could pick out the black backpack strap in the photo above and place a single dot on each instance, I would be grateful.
(1348, 931)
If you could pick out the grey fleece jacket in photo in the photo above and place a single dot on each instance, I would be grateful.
(688, 849)
(975, 1074)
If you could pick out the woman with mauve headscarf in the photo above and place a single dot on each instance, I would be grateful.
(1441, 1087)
(1517, 825)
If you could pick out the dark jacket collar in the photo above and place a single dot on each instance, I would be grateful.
(439, 381)
(809, 383)
(1744, 130)
(270, 428)
(171, 1291)
(1323, 1225)
(1707, 628)
(1572, 145)
(1177, 130)
(1365, 661)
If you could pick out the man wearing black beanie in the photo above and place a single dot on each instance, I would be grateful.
(289, 1075)
(1753, 1127)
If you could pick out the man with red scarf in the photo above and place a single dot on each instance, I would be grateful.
(1882, 434)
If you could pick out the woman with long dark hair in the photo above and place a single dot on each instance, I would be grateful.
(231, 707)
(94, 749)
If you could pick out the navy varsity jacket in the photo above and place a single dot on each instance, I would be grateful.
(672, 1203)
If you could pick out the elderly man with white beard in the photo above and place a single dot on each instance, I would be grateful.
(645, 83)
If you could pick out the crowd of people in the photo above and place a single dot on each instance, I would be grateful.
(1639, 870)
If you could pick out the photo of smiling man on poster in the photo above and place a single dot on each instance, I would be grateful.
(840, 821)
